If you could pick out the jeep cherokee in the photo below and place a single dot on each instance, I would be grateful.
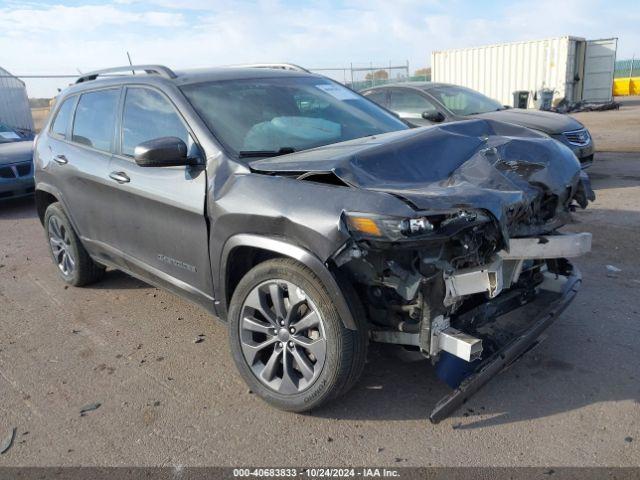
(312, 221)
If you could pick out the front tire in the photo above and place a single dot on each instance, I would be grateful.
(288, 340)
(75, 266)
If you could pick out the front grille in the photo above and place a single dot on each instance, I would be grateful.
(579, 138)
(24, 169)
(15, 171)
(7, 172)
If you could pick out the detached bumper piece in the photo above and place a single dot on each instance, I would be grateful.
(562, 289)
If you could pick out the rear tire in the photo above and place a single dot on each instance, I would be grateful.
(74, 265)
(294, 352)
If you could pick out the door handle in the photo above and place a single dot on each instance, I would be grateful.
(120, 177)
(60, 159)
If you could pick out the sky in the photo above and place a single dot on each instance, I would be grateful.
(66, 36)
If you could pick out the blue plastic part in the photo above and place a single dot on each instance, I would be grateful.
(453, 370)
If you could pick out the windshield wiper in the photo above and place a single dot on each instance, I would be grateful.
(265, 153)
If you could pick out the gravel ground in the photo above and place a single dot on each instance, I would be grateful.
(166, 400)
(615, 130)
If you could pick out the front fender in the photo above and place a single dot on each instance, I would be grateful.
(282, 247)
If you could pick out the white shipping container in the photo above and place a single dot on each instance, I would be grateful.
(14, 103)
(576, 69)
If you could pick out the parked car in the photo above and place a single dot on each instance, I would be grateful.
(16, 163)
(426, 103)
(311, 221)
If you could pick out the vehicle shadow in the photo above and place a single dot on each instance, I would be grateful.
(605, 181)
(545, 382)
(18, 208)
(117, 280)
(614, 170)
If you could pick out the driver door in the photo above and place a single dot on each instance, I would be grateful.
(159, 217)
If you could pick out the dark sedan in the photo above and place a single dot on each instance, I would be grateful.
(426, 103)
(16, 162)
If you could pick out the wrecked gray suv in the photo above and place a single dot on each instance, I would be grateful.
(313, 221)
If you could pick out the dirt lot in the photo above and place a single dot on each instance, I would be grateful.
(166, 400)
(615, 131)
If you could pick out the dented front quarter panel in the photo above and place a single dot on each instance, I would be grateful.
(300, 213)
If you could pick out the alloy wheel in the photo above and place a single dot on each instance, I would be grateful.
(282, 337)
(60, 241)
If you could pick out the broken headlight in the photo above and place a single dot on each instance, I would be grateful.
(381, 227)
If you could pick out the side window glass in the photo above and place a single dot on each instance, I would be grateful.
(410, 103)
(149, 115)
(457, 102)
(63, 117)
(378, 96)
(95, 119)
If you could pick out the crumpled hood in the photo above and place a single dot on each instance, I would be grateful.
(548, 122)
(505, 169)
(13, 152)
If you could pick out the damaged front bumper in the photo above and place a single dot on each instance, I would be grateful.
(561, 292)
(474, 322)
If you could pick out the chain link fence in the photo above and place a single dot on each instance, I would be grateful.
(627, 68)
(361, 76)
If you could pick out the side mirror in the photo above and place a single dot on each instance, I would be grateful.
(161, 152)
(433, 116)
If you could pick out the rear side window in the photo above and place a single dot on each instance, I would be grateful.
(149, 115)
(63, 116)
(95, 119)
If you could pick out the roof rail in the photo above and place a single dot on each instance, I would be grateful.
(274, 66)
(149, 69)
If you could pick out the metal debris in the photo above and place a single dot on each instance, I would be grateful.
(8, 442)
(89, 408)
(612, 271)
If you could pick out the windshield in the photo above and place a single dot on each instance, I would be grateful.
(267, 116)
(464, 101)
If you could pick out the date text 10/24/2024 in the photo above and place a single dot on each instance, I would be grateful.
(316, 472)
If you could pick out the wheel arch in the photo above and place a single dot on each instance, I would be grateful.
(45, 196)
(243, 251)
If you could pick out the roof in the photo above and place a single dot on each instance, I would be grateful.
(233, 73)
(154, 74)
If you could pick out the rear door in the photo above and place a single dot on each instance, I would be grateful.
(80, 145)
(159, 212)
(599, 66)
